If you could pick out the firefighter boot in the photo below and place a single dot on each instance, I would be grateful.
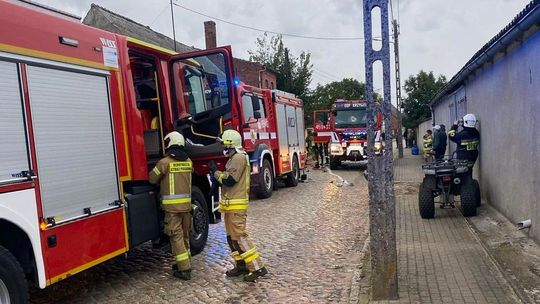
(253, 276)
(183, 275)
(238, 270)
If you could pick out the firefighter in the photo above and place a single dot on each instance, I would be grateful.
(467, 139)
(173, 173)
(234, 204)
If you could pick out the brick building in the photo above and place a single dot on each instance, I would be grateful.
(251, 73)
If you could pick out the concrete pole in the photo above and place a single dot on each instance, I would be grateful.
(398, 89)
(382, 217)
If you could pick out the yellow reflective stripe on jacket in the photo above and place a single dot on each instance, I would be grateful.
(176, 201)
(171, 183)
(182, 257)
(180, 167)
(451, 132)
(156, 171)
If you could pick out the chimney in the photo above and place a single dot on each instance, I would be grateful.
(210, 34)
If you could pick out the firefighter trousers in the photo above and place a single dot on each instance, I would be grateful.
(177, 226)
(243, 250)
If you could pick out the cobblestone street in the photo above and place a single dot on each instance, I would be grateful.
(310, 238)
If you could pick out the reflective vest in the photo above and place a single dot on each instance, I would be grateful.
(236, 197)
(174, 177)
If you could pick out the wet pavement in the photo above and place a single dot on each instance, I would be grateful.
(310, 238)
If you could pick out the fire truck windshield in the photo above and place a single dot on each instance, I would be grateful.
(350, 118)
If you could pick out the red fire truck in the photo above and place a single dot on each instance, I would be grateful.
(343, 131)
(273, 130)
(84, 114)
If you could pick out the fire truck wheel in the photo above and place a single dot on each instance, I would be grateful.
(294, 175)
(265, 184)
(13, 287)
(199, 227)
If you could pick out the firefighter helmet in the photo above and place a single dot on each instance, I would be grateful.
(174, 139)
(469, 121)
(231, 139)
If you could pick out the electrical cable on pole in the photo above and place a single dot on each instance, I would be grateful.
(398, 89)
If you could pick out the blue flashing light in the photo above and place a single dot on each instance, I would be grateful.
(236, 81)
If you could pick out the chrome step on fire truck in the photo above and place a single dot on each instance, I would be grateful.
(84, 112)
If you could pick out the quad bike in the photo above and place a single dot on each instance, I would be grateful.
(447, 179)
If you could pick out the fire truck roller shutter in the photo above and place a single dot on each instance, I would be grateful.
(13, 149)
(74, 142)
(301, 131)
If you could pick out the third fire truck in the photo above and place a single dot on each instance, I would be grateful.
(342, 131)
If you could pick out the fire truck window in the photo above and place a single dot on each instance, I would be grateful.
(194, 92)
(247, 106)
(206, 84)
(321, 117)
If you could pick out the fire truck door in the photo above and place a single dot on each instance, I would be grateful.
(74, 142)
(203, 88)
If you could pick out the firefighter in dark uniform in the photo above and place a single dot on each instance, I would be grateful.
(235, 181)
(467, 140)
(173, 173)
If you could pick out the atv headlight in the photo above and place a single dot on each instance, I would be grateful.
(336, 149)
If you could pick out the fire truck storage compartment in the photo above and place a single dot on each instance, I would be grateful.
(143, 217)
(74, 142)
(13, 149)
(281, 118)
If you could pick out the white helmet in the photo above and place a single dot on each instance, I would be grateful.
(232, 141)
(469, 120)
(174, 139)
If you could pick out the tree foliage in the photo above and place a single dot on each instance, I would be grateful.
(322, 97)
(293, 73)
(420, 90)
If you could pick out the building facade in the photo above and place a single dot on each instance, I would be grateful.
(501, 85)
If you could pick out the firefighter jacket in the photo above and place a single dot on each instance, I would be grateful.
(235, 184)
(174, 178)
(467, 141)
(428, 141)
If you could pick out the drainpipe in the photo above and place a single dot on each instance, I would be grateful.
(260, 77)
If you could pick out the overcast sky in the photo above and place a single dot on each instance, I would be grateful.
(436, 35)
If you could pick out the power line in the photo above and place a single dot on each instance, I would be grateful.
(325, 73)
(160, 13)
(273, 32)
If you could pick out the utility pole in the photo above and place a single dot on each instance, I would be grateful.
(398, 88)
(173, 31)
(382, 214)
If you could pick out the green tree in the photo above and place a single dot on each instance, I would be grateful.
(322, 97)
(293, 73)
(420, 89)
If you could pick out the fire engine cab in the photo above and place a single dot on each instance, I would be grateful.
(84, 113)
